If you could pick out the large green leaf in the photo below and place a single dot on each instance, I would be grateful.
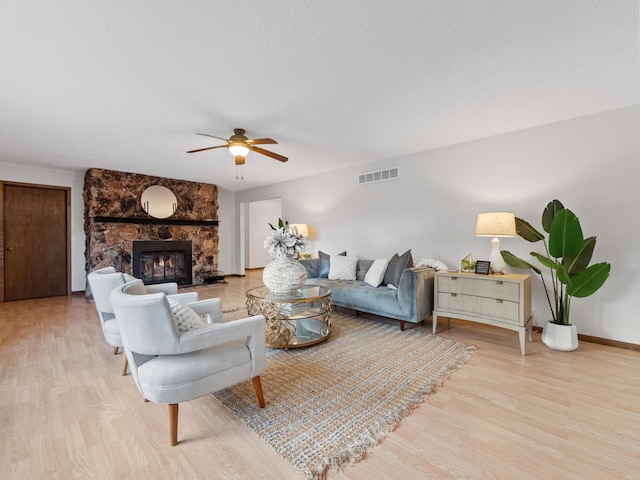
(550, 213)
(515, 262)
(565, 237)
(578, 262)
(545, 261)
(563, 275)
(526, 231)
(589, 281)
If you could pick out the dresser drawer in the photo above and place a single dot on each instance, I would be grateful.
(503, 310)
(489, 288)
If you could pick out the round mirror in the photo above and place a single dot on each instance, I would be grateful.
(159, 201)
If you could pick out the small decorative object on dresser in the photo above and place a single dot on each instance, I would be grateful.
(499, 300)
(483, 267)
(468, 264)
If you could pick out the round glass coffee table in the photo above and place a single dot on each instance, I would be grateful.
(297, 320)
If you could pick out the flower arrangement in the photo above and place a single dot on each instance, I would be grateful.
(284, 242)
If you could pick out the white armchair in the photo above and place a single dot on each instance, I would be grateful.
(169, 366)
(104, 280)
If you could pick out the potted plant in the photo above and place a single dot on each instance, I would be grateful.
(566, 257)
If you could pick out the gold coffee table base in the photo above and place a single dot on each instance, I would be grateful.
(297, 320)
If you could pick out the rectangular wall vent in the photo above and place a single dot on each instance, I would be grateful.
(378, 176)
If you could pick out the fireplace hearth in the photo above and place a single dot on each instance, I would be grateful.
(162, 261)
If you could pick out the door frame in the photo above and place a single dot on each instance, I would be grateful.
(68, 228)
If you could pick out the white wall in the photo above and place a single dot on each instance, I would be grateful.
(59, 178)
(591, 164)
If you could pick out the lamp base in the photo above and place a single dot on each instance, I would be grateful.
(498, 264)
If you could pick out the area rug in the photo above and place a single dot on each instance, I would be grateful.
(329, 403)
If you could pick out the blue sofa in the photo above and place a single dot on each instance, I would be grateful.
(411, 302)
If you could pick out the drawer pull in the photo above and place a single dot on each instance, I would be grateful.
(454, 294)
(454, 278)
(498, 300)
(499, 282)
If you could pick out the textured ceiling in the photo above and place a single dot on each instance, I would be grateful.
(125, 85)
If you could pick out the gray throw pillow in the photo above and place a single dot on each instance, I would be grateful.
(396, 266)
(325, 264)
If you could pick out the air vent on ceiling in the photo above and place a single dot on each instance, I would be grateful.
(378, 176)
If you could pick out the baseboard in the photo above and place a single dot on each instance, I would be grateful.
(602, 341)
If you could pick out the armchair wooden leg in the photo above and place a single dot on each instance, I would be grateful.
(258, 387)
(115, 350)
(125, 364)
(173, 423)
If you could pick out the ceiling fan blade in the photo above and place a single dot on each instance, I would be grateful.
(269, 154)
(208, 148)
(213, 136)
(262, 141)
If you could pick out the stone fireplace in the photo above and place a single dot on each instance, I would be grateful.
(162, 261)
(115, 221)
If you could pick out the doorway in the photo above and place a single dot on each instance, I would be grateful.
(35, 260)
(255, 228)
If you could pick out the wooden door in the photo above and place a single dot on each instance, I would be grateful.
(36, 241)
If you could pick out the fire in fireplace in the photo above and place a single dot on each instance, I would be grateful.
(162, 261)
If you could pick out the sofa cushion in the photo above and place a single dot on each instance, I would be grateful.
(359, 296)
(325, 262)
(396, 266)
(342, 267)
(376, 272)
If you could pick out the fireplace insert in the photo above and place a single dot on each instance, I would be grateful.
(162, 261)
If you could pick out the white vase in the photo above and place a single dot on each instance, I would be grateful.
(284, 275)
(560, 337)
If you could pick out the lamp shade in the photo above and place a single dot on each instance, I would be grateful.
(301, 228)
(496, 224)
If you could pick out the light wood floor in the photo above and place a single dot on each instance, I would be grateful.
(65, 411)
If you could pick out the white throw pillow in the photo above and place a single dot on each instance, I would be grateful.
(376, 271)
(184, 317)
(342, 267)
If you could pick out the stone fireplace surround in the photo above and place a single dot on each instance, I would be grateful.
(114, 218)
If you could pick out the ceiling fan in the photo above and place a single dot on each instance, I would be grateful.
(240, 145)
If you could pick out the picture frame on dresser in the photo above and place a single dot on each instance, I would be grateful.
(483, 267)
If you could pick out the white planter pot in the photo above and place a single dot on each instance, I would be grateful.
(560, 337)
(284, 275)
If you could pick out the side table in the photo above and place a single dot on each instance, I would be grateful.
(297, 320)
(499, 300)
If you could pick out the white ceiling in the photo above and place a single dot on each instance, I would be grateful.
(126, 84)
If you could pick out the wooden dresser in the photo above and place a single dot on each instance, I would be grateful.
(499, 300)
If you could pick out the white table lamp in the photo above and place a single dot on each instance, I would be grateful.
(496, 224)
(300, 228)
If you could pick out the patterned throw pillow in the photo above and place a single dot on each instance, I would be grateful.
(184, 317)
(342, 267)
(376, 271)
(324, 262)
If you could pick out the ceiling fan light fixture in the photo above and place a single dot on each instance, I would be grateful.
(238, 149)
